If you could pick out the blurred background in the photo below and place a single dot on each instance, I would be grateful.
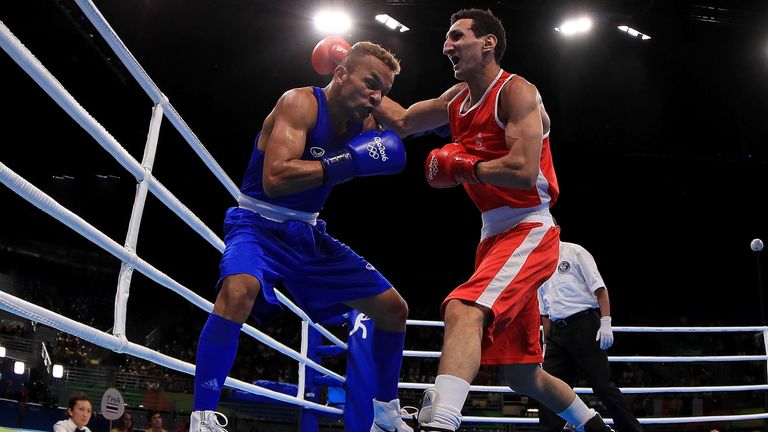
(660, 146)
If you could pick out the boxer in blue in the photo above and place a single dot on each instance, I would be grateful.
(312, 140)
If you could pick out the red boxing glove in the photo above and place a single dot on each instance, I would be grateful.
(451, 165)
(328, 54)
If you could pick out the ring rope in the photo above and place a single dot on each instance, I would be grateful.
(634, 359)
(303, 315)
(154, 93)
(41, 315)
(646, 420)
(27, 61)
(586, 390)
(640, 329)
(53, 87)
(11, 303)
(50, 206)
(137, 211)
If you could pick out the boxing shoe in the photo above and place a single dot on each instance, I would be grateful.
(594, 424)
(426, 421)
(387, 417)
(207, 421)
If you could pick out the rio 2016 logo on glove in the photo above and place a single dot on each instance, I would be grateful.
(375, 148)
(432, 168)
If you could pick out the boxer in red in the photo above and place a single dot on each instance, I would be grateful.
(500, 155)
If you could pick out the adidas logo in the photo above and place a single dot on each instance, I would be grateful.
(211, 384)
(316, 151)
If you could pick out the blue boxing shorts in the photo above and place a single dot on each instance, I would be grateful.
(317, 270)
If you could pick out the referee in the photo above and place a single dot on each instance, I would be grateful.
(576, 317)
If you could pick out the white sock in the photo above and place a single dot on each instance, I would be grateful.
(451, 394)
(577, 413)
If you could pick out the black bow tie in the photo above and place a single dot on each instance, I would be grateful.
(80, 430)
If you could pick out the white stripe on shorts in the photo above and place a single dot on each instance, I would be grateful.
(511, 268)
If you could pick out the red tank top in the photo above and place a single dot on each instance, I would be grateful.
(479, 130)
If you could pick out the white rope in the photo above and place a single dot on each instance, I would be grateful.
(301, 314)
(649, 420)
(141, 76)
(634, 359)
(638, 329)
(424, 323)
(47, 204)
(27, 61)
(118, 343)
(41, 315)
(627, 390)
(127, 255)
(585, 390)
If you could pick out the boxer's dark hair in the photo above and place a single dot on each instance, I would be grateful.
(484, 22)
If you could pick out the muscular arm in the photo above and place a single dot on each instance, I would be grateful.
(519, 108)
(604, 301)
(419, 117)
(283, 141)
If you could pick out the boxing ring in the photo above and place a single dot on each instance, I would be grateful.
(312, 374)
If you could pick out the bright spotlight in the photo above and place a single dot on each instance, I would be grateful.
(391, 23)
(575, 26)
(18, 368)
(333, 22)
(632, 32)
(58, 371)
(2, 351)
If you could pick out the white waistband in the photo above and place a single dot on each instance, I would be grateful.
(275, 212)
(500, 219)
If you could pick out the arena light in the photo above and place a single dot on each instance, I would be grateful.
(2, 352)
(575, 26)
(58, 371)
(391, 23)
(333, 22)
(19, 367)
(634, 33)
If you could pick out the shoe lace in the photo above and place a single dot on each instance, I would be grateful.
(216, 425)
(410, 412)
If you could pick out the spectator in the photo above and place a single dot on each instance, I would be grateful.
(124, 423)
(79, 412)
(155, 422)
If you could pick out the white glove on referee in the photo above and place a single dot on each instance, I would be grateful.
(605, 334)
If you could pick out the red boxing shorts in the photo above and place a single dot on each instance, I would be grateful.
(509, 269)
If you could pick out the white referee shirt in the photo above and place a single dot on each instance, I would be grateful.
(67, 426)
(572, 287)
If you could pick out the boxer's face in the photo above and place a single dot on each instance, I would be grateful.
(463, 48)
(364, 85)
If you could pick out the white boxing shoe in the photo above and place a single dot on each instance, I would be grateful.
(387, 417)
(207, 421)
(426, 421)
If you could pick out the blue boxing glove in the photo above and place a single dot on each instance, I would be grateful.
(370, 153)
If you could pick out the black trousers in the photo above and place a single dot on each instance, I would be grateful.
(571, 349)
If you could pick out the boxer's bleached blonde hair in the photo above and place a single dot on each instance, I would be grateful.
(364, 48)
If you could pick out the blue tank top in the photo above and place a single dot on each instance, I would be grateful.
(321, 141)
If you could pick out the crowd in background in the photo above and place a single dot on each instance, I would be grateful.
(175, 334)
